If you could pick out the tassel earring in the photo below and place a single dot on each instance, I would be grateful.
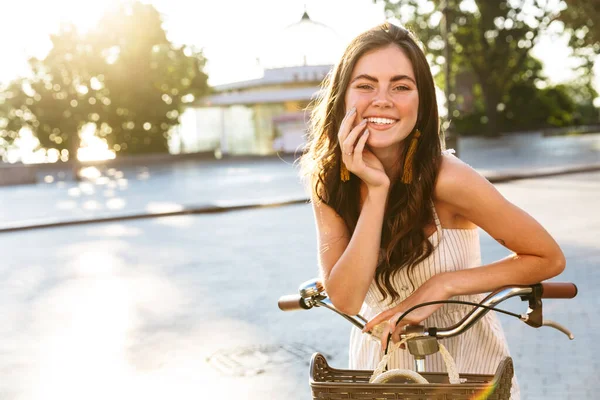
(344, 173)
(407, 172)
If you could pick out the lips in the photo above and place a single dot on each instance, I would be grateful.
(381, 123)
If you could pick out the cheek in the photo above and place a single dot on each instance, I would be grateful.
(408, 106)
(353, 99)
(359, 100)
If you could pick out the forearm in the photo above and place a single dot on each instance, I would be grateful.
(513, 270)
(351, 276)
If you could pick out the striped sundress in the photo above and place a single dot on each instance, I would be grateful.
(479, 350)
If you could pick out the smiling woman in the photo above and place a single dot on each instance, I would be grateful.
(397, 218)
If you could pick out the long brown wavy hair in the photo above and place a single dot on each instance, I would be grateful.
(409, 208)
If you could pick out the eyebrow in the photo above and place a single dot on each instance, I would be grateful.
(395, 78)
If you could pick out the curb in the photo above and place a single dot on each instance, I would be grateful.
(492, 176)
(199, 209)
(516, 174)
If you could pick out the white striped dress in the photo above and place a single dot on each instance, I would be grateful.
(479, 350)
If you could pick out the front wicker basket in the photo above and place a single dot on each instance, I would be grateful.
(331, 383)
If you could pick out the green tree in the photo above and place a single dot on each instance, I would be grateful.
(57, 95)
(11, 116)
(147, 79)
(582, 20)
(525, 106)
(124, 77)
(583, 93)
(489, 39)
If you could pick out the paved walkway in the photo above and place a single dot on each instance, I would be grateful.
(210, 186)
(184, 307)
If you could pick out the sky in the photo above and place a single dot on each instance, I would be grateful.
(232, 33)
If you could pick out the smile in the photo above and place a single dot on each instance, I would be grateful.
(381, 123)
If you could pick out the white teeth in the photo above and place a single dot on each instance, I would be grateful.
(381, 120)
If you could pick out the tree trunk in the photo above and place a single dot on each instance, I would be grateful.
(491, 99)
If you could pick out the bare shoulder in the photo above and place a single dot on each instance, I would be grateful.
(462, 189)
(455, 176)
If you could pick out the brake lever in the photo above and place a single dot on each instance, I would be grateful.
(557, 326)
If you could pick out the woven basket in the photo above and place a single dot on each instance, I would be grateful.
(331, 383)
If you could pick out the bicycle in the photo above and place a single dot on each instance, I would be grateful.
(330, 383)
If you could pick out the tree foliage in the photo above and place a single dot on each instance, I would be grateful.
(124, 76)
(491, 41)
(582, 18)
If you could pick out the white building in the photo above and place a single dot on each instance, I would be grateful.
(269, 114)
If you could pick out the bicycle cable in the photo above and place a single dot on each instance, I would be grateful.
(429, 303)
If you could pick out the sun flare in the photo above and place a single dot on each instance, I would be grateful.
(37, 20)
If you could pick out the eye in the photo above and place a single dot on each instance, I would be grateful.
(401, 88)
(364, 86)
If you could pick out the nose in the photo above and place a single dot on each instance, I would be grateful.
(381, 99)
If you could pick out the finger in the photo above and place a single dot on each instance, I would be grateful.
(393, 322)
(394, 319)
(384, 337)
(360, 146)
(396, 333)
(382, 316)
(372, 323)
(392, 327)
(376, 320)
(349, 144)
(346, 125)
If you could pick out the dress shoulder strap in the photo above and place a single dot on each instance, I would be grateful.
(438, 224)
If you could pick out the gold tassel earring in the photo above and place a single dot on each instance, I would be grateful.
(344, 173)
(407, 173)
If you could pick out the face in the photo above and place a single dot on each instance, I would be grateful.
(383, 89)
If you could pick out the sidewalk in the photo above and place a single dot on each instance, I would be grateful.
(197, 186)
(186, 307)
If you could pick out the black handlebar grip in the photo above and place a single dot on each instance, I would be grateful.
(292, 302)
(558, 290)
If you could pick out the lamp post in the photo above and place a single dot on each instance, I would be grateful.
(450, 135)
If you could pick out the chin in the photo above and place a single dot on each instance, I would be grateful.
(381, 145)
(381, 141)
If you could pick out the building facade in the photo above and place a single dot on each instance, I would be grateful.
(270, 114)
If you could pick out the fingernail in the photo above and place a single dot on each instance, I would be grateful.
(366, 132)
(364, 121)
(352, 110)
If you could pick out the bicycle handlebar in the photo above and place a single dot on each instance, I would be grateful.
(558, 290)
(292, 302)
(312, 294)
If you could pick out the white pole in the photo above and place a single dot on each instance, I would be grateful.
(224, 147)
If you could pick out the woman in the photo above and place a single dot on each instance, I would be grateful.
(397, 218)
